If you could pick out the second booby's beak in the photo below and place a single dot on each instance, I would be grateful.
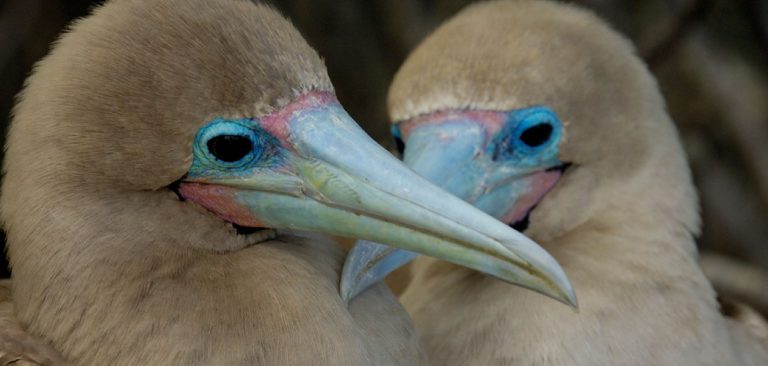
(501, 162)
(310, 167)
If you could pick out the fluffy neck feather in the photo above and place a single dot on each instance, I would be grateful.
(643, 299)
(110, 284)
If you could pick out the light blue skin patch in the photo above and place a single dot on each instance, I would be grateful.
(453, 156)
(324, 174)
(266, 151)
(360, 152)
(365, 157)
(332, 161)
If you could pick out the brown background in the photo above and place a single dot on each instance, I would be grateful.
(710, 56)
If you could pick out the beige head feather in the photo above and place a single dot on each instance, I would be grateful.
(109, 266)
(505, 55)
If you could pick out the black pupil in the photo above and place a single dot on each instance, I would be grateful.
(230, 148)
(537, 135)
(399, 145)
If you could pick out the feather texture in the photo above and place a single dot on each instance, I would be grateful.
(621, 220)
(110, 267)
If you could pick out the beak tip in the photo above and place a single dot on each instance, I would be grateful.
(572, 301)
(346, 291)
(347, 287)
(565, 293)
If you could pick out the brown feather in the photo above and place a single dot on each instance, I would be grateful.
(621, 221)
(16, 346)
(109, 266)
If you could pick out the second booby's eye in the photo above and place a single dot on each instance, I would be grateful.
(529, 133)
(537, 135)
(230, 148)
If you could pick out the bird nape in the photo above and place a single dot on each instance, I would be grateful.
(157, 160)
(537, 111)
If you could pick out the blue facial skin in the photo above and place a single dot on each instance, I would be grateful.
(454, 155)
(265, 151)
(312, 168)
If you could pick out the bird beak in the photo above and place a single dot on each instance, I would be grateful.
(467, 153)
(459, 156)
(338, 181)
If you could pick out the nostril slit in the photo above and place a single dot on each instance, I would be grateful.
(537, 135)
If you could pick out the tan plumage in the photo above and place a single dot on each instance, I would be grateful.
(621, 221)
(17, 347)
(109, 266)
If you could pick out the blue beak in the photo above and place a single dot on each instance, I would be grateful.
(501, 168)
(310, 167)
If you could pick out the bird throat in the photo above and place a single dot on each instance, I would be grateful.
(255, 234)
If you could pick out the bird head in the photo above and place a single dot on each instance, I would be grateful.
(176, 126)
(540, 115)
(550, 91)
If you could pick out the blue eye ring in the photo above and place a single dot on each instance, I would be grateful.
(528, 132)
(228, 128)
(532, 119)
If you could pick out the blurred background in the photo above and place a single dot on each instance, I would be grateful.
(710, 57)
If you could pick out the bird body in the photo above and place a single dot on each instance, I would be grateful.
(640, 316)
(621, 218)
(110, 275)
(206, 308)
(164, 165)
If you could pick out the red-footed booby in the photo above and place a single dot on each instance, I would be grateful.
(544, 117)
(151, 158)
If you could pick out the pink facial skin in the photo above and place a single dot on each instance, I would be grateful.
(537, 184)
(277, 123)
(221, 201)
(540, 184)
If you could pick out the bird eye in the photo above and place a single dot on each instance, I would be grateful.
(235, 145)
(230, 144)
(536, 135)
(528, 132)
(230, 148)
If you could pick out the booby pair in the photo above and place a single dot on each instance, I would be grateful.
(150, 157)
(543, 116)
